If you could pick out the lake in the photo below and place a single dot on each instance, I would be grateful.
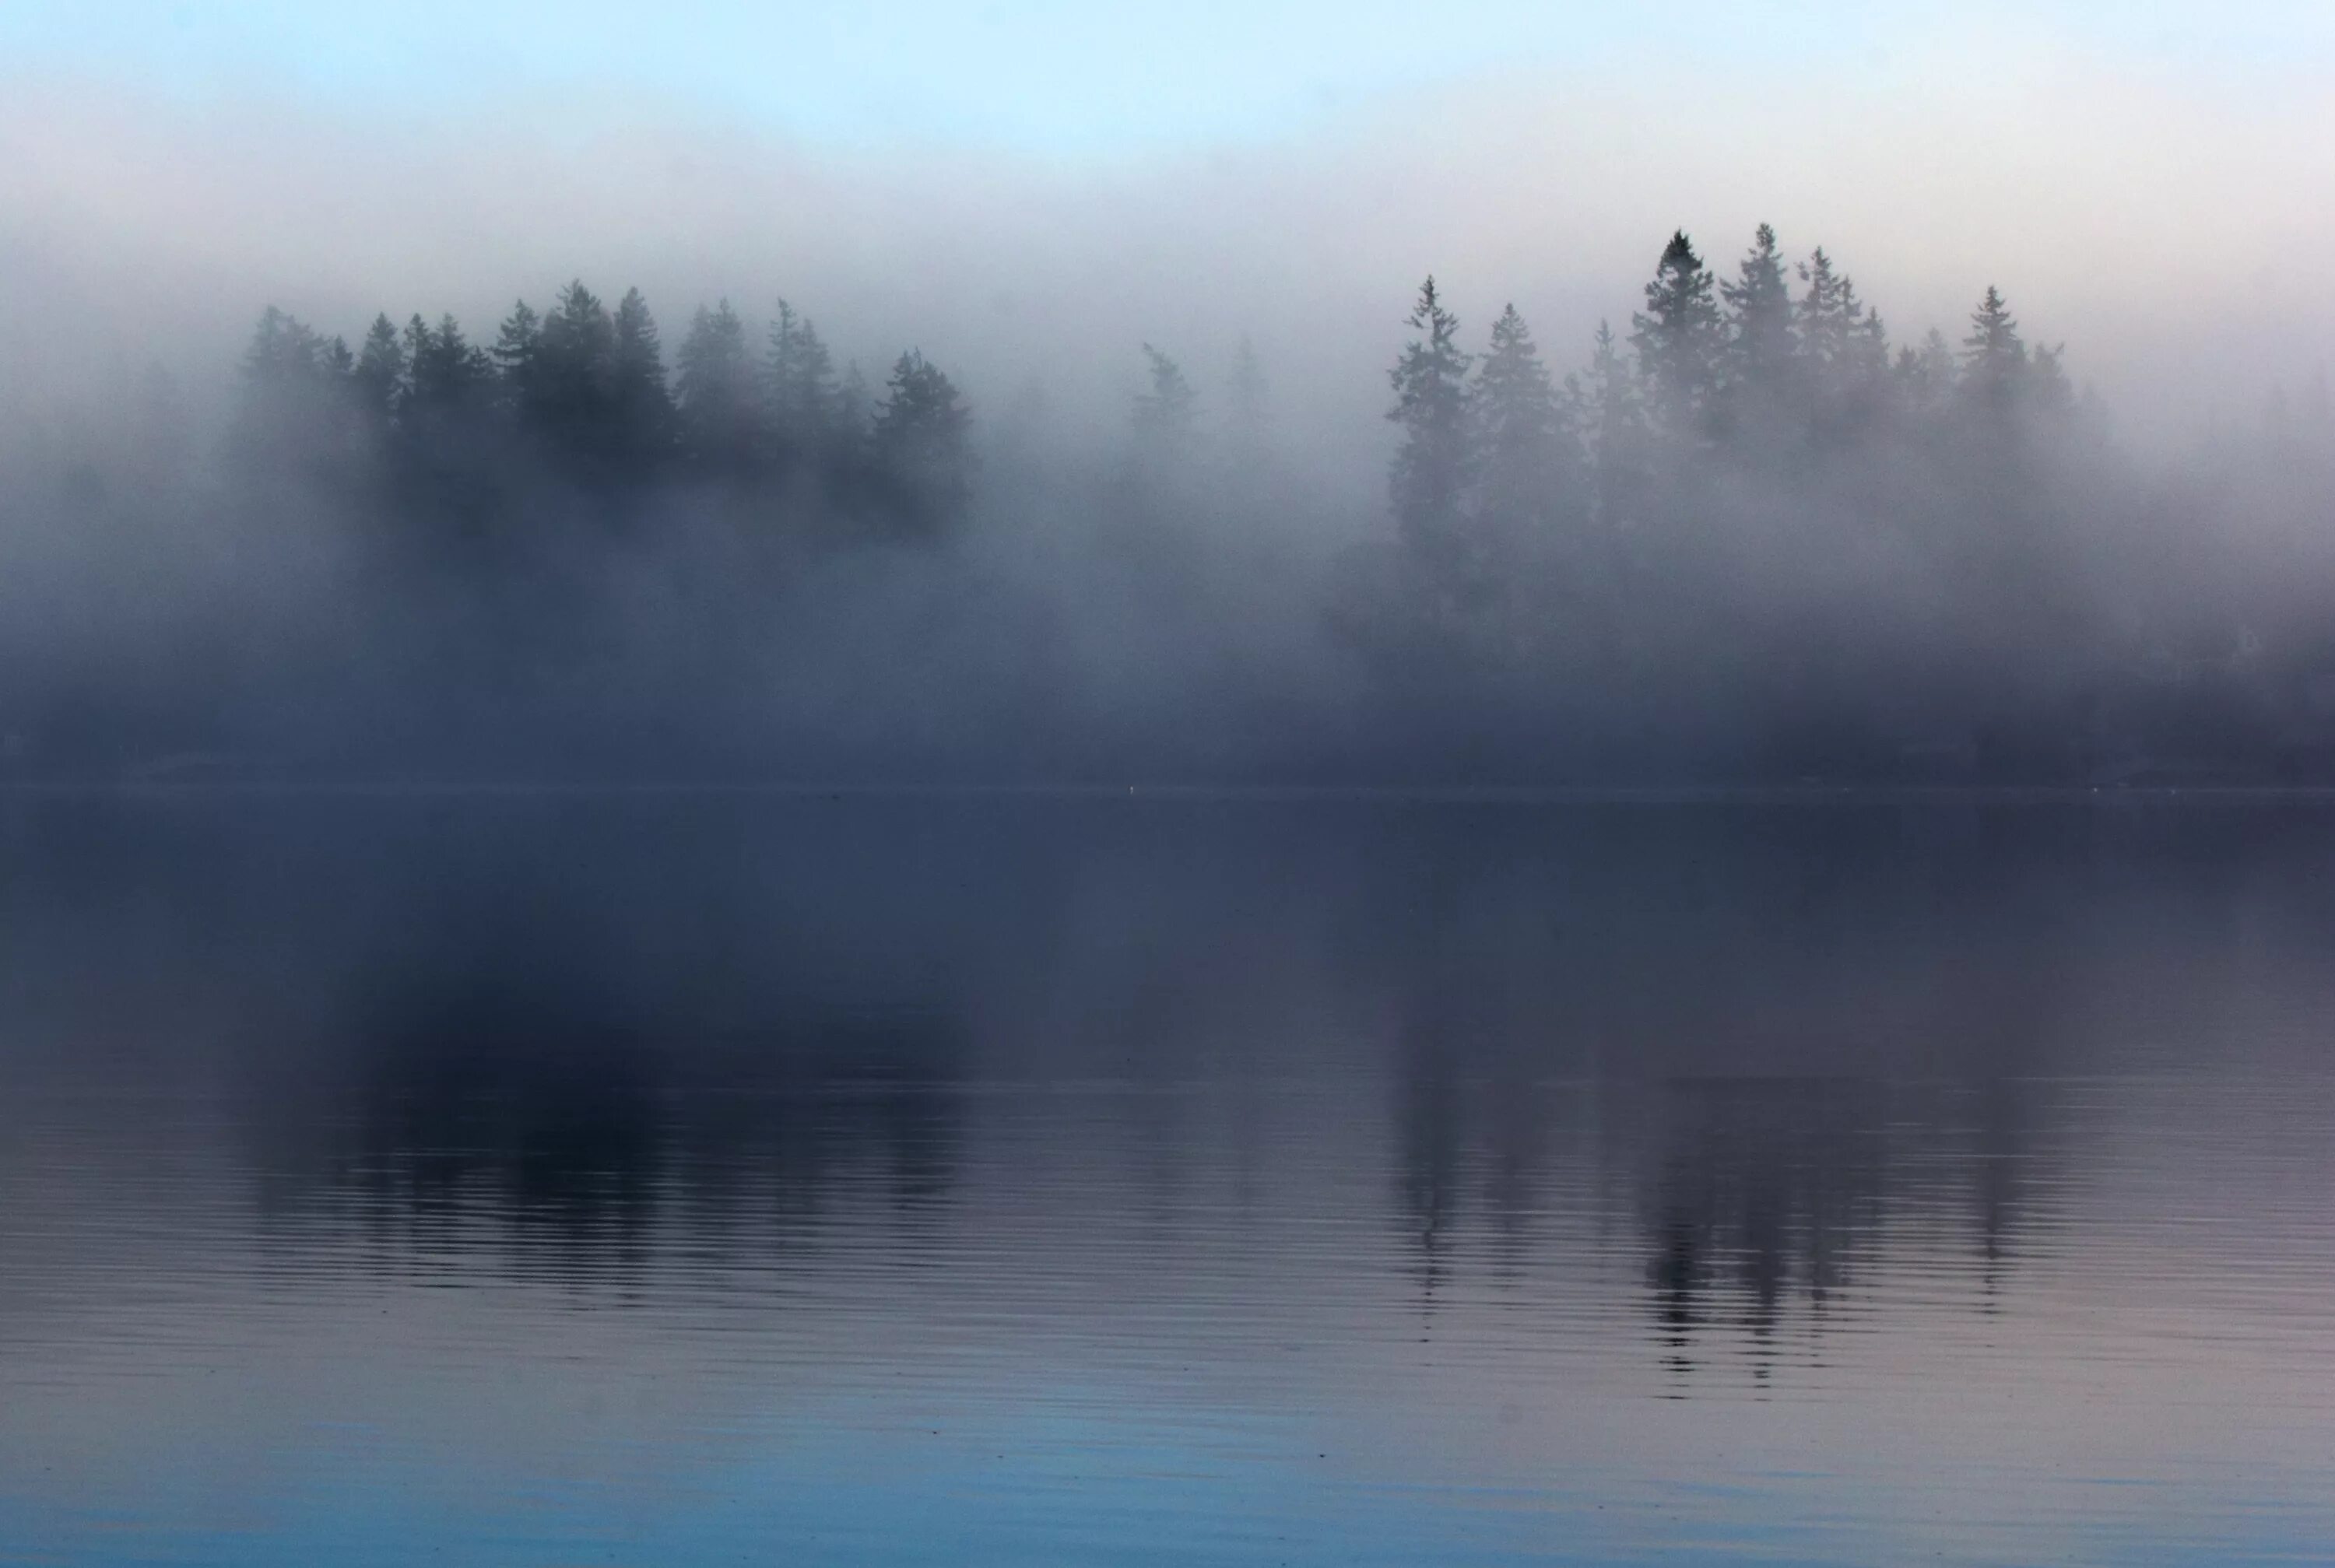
(702, 1178)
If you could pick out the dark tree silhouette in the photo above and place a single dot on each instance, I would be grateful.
(1994, 356)
(718, 406)
(1528, 457)
(1680, 341)
(516, 357)
(444, 374)
(1749, 544)
(573, 400)
(379, 372)
(642, 404)
(1435, 465)
(1829, 313)
(801, 387)
(919, 443)
(1763, 341)
(1620, 443)
(1845, 349)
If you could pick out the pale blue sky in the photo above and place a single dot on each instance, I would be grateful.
(1056, 77)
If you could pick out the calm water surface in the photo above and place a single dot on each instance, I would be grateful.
(673, 1181)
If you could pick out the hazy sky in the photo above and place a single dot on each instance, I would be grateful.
(1016, 184)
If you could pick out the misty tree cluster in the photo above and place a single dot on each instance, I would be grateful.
(1757, 534)
(1752, 539)
(573, 412)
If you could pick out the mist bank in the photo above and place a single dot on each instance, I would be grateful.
(1752, 538)
(2150, 211)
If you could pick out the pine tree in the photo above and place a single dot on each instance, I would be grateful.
(1166, 413)
(921, 447)
(1433, 466)
(1679, 340)
(721, 417)
(445, 456)
(1845, 349)
(421, 365)
(1994, 356)
(291, 395)
(1619, 441)
(1762, 345)
(444, 374)
(1528, 456)
(284, 353)
(1828, 311)
(1868, 342)
(799, 377)
(1925, 377)
(379, 378)
(642, 404)
(516, 353)
(574, 405)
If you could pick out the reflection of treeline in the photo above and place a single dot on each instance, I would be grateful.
(516, 1097)
(1778, 1056)
(602, 1033)
(1757, 1210)
(1753, 539)
(1784, 1060)
(462, 1131)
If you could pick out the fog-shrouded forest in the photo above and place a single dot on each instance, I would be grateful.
(1748, 537)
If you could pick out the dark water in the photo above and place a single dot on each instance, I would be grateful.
(673, 1181)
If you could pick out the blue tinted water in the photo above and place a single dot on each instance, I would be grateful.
(687, 1181)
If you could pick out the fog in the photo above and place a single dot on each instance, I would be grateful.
(1774, 547)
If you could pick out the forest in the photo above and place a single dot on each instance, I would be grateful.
(1752, 540)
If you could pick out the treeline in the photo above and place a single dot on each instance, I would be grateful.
(556, 552)
(1752, 539)
(1735, 382)
(575, 406)
(1755, 538)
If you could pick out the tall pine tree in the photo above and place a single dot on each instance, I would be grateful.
(1763, 346)
(799, 376)
(574, 405)
(1434, 467)
(1994, 356)
(1680, 341)
(445, 376)
(718, 411)
(517, 346)
(642, 411)
(1845, 348)
(379, 378)
(1621, 452)
(1528, 456)
(922, 447)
